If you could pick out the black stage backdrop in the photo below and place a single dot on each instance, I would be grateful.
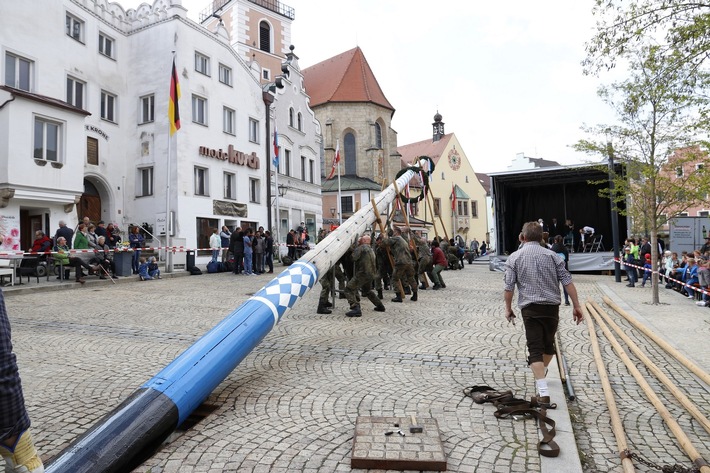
(560, 192)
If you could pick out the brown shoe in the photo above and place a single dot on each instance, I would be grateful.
(80, 281)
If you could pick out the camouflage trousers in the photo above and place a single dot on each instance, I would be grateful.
(404, 274)
(326, 283)
(361, 282)
(425, 267)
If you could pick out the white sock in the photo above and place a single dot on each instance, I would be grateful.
(541, 385)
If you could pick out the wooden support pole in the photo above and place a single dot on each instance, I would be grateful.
(682, 398)
(441, 221)
(616, 426)
(672, 424)
(682, 359)
(387, 248)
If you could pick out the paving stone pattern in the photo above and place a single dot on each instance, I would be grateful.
(291, 405)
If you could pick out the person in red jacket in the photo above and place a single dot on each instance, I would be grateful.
(41, 243)
(440, 263)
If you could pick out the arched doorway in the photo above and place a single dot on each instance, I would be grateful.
(90, 203)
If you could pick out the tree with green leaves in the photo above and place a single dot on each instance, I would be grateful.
(660, 113)
(678, 26)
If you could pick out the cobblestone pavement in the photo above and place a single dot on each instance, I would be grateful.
(291, 404)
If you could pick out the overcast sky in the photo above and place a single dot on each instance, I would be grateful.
(505, 76)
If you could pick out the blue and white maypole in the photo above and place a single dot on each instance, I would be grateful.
(131, 433)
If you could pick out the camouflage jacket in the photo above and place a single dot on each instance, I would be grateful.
(399, 249)
(364, 260)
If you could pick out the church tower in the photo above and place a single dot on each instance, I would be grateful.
(438, 127)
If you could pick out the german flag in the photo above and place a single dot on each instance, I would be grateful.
(173, 108)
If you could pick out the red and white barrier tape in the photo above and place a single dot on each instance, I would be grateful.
(660, 275)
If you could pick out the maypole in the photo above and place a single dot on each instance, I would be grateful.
(129, 434)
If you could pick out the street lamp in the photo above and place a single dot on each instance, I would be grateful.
(614, 212)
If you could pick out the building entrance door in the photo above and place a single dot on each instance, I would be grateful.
(90, 203)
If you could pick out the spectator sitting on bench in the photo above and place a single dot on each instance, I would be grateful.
(62, 258)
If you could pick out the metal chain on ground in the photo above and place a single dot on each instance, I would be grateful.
(663, 468)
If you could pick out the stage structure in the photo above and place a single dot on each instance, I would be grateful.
(132, 432)
(563, 192)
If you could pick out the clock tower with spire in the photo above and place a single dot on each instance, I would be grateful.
(438, 127)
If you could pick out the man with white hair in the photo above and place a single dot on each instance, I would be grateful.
(64, 231)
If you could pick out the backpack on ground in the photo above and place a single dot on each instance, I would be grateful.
(195, 271)
(213, 267)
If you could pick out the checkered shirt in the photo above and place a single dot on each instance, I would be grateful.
(13, 416)
(538, 273)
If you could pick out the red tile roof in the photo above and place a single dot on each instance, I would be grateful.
(346, 77)
(430, 148)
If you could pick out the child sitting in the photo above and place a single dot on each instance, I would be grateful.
(143, 270)
(153, 270)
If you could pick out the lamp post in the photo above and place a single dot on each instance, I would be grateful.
(614, 212)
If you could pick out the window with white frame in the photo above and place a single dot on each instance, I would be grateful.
(703, 213)
(106, 45)
(108, 106)
(47, 140)
(254, 190)
(266, 74)
(147, 108)
(230, 186)
(346, 204)
(228, 125)
(144, 186)
(199, 110)
(202, 181)
(18, 72)
(202, 64)
(679, 171)
(253, 130)
(462, 210)
(474, 208)
(75, 92)
(286, 167)
(75, 27)
(683, 214)
(700, 166)
(92, 151)
(225, 74)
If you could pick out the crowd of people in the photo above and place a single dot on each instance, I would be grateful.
(399, 260)
(687, 273)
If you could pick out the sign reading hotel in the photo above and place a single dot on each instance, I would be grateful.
(232, 155)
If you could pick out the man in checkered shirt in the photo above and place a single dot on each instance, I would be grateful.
(538, 272)
(16, 445)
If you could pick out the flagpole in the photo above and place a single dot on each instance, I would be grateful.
(168, 242)
(276, 183)
(340, 210)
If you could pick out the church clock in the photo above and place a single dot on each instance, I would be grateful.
(454, 159)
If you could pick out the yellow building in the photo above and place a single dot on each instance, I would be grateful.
(453, 175)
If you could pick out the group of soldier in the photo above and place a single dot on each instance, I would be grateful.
(399, 259)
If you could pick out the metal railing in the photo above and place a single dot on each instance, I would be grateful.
(274, 5)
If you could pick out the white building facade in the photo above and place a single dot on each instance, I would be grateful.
(84, 125)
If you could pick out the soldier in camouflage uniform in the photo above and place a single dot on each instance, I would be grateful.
(363, 258)
(384, 268)
(326, 283)
(425, 262)
(403, 265)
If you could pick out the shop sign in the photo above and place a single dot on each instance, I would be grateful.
(232, 155)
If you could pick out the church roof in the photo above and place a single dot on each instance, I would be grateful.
(346, 77)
